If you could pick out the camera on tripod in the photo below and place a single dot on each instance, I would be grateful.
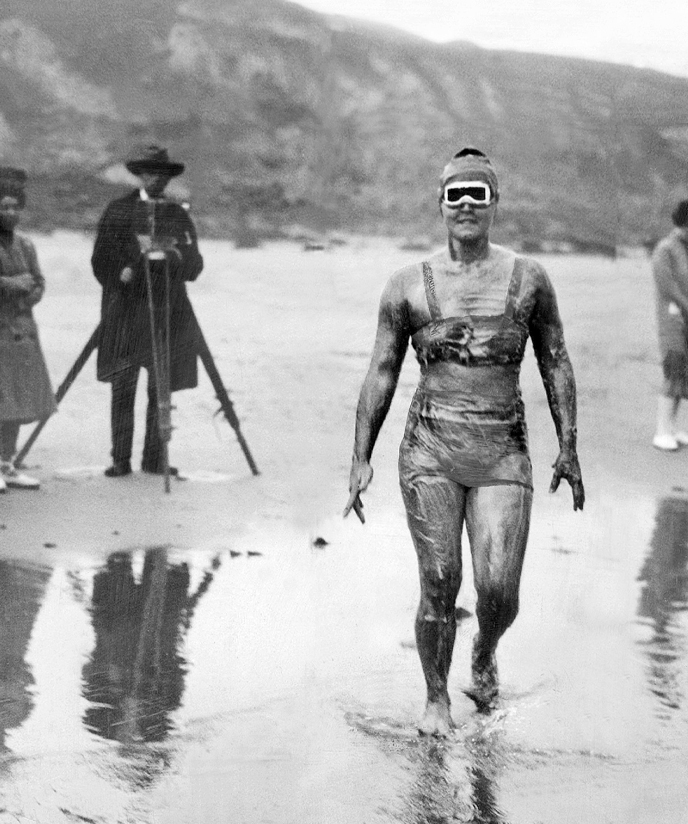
(157, 247)
(152, 245)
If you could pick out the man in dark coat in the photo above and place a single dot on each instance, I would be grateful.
(124, 231)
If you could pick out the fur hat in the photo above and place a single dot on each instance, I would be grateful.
(12, 182)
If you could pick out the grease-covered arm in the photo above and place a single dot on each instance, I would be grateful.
(378, 388)
(547, 335)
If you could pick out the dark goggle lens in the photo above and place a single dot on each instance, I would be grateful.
(453, 194)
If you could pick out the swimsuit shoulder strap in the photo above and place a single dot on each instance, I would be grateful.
(430, 294)
(514, 287)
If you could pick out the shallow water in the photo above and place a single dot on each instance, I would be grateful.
(272, 680)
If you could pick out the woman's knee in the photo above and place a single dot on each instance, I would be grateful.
(438, 591)
(498, 604)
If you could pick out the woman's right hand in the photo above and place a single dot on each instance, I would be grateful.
(359, 479)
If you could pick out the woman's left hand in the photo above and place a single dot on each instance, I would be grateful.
(566, 466)
(20, 283)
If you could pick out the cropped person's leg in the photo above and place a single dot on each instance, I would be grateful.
(497, 522)
(9, 434)
(10, 476)
(667, 409)
(122, 420)
(435, 512)
(675, 368)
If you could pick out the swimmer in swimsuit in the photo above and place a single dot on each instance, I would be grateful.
(468, 312)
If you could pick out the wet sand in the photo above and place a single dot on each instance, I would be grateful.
(196, 657)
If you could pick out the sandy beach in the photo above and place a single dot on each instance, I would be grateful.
(200, 657)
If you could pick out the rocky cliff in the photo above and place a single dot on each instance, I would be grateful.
(285, 117)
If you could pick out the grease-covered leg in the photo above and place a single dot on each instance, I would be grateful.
(497, 522)
(435, 512)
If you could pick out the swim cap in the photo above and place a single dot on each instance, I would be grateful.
(470, 164)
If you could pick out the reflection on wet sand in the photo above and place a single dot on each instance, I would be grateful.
(21, 591)
(452, 781)
(135, 676)
(452, 786)
(664, 595)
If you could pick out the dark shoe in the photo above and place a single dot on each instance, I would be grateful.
(118, 469)
(154, 469)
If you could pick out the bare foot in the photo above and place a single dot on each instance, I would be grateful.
(484, 689)
(437, 719)
(485, 700)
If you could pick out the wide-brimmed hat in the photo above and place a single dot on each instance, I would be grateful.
(153, 159)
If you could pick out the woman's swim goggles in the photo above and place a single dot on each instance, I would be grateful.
(475, 192)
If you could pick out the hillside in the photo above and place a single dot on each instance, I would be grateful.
(286, 117)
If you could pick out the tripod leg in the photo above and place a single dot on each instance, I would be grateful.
(160, 353)
(225, 403)
(167, 376)
(85, 354)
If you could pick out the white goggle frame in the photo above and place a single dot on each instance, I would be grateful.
(479, 188)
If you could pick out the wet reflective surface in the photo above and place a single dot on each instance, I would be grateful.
(21, 591)
(664, 603)
(134, 678)
(202, 658)
(275, 680)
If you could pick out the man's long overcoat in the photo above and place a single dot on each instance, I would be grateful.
(125, 336)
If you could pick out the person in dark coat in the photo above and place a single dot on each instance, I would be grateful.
(124, 231)
(25, 391)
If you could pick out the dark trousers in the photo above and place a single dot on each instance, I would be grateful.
(122, 418)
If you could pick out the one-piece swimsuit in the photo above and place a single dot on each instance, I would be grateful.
(472, 431)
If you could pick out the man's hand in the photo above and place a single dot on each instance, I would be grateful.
(361, 475)
(160, 246)
(168, 244)
(566, 466)
(126, 275)
(21, 284)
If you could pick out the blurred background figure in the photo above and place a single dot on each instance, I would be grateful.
(670, 271)
(119, 266)
(25, 391)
